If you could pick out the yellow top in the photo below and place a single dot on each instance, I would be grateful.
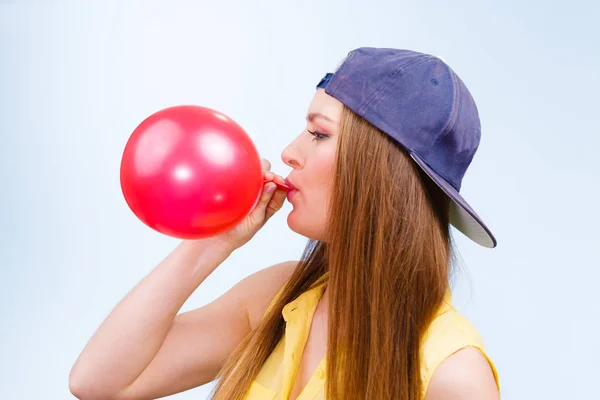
(448, 333)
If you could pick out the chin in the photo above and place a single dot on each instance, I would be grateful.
(305, 227)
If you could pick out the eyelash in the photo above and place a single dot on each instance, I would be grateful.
(318, 135)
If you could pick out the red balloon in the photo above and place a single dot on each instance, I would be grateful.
(190, 172)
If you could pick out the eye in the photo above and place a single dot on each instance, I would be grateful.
(318, 135)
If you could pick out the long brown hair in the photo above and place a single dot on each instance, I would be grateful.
(387, 260)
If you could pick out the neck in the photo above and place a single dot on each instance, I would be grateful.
(321, 314)
(323, 305)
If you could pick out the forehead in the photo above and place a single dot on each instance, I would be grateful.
(324, 104)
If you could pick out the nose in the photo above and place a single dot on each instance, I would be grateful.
(291, 157)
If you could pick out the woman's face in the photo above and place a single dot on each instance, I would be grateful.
(312, 156)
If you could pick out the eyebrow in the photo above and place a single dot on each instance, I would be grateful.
(311, 117)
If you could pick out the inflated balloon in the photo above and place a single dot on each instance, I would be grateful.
(190, 172)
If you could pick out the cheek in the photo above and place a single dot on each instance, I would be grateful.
(323, 168)
(310, 212)
(321, 172)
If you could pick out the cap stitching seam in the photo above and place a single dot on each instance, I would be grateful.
(377, 95)
(455, 106)
(449, 124)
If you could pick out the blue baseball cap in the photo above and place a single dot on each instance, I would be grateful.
(419, 101)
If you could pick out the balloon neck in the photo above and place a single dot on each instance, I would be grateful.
(280, 186)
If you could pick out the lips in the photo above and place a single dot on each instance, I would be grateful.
(290, 184)
(291, 193)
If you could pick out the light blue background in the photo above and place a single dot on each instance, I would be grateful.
(77, 77)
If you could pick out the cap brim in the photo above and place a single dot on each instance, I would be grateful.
(462, 216)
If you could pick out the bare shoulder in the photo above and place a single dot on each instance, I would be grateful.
(261, 287)
(465, 375)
